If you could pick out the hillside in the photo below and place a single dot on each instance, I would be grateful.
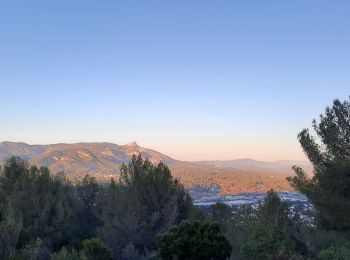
(76, 160)
(281, 166)
(103, 160)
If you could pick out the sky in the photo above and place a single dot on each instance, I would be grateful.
(196, 80)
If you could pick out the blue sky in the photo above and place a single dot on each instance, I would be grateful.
(196, 80)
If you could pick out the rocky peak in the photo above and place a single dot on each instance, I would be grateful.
(132, 144)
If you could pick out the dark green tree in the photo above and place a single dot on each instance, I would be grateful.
(275, 234)
(84, 221)
(329, 152)
(95, 249)
(10, 228)
(319, 239)
(221, 214)
(145, 201)
(194, 240)
(34, 250)
(65, 254)
(338, 252)
(41, 201)
(236, 226)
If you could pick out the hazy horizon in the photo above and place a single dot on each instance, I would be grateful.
(195, 80)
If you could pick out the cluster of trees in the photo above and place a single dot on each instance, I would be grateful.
(44, 216)
(147, 214)
(328, 189)
(273, 231)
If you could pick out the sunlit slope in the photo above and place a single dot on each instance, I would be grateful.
(103, 160)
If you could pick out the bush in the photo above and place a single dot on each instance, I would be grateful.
(339, 252)
(64, 254)
(193, 240)
(95, 249)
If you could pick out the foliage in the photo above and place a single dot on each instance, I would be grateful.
(222, 215)
(34, 250)
(275, 233)
(130, 252)
(94, 249)
(42, 202)
(329, 153)
(339, 252)
(10, 228)
(146, 201)
(85, 221)
(193, 240)
(64, 254)
(235, 227)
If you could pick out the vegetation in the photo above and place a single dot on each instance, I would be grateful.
(329, 187)
(144, 202)
(147, 214)
(329, 153)
(269, 232)
(274, 232)
(44, 216)
(193, 240)
(42, 203)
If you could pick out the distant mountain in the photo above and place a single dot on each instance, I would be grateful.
(103, 161)
(281, 166)
(80, 158)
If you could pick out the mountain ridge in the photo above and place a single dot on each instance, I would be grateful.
(103, 160)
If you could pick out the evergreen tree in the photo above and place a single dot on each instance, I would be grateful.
(329, 152)
(10, 228)
(338, 252)
(235, 227)
(41, 201)
(95, 249)
(275, 234)
(222, 215)
(84, 221)
(145, 201)
(65, 254)
(193, 240)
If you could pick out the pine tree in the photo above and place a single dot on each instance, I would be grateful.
(145, 201)
(329, 152)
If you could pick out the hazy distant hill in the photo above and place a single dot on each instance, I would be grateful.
(281, 166)
(104, 159)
